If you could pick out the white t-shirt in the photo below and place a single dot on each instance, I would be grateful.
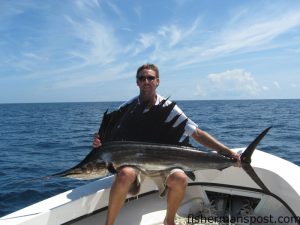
(190, 126)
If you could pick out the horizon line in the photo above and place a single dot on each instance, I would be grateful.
(176, 100)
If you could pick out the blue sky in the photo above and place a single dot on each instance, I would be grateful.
(61, 51)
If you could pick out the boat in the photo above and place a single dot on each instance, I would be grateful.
(229, 196)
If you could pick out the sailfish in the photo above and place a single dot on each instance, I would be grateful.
(141, 138)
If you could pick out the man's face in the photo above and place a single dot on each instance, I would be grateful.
(147, 81)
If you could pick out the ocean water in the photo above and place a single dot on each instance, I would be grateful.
(41, 139)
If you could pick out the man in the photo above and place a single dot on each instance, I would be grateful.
(147, 79)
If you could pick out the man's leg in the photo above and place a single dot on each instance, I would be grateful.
(176, 183)
(119, 190)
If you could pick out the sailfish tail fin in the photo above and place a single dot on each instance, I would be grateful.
(246, 155)
(246, 160)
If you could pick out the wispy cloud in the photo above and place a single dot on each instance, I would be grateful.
(276, 84)
(138, 11)
(294, 85)
(115, 9)
(75, 40)
(87, 79)
(243, 33)
(250, 36)
(257, 32)
(98, 42)
(87, 6)
(165, 41)
(173, 34)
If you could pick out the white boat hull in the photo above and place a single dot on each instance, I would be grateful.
(215, 193)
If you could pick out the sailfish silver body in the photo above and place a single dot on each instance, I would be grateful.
(151, 156)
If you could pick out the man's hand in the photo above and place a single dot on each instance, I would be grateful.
(237, 157)
(96, 141)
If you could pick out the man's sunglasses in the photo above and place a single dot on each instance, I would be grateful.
(148, 78)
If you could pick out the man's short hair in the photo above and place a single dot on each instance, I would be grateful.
(148, 66)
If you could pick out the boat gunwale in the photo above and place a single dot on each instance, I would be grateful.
(193, 184)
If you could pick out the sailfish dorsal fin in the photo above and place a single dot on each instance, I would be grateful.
(133, 123)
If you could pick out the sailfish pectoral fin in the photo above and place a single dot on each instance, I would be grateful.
(191, 175)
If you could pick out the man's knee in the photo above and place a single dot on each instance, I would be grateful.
(177, 179)
(126, 175)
